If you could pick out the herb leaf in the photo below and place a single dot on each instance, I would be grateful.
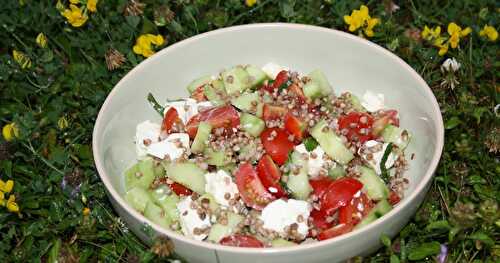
(158, 108)
(310, 143)
(384, 172)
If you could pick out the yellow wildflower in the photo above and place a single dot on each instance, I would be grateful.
(62, 123)
(12, 205)
(10, 131)
(361, 19)
(86, 211)
(6, 187)
(456, 32)
(92, 5)
(22, 59)
(74, 1)
(2, 199)
(490, 32)
(143, 44)
(41, 40)
(430, 34)
(75, 16)
(250, 3)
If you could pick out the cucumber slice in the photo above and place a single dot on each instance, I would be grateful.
(138, 197)
(219, 231)
(312, 90)
(217, 158)
(211, 201)
(213, 95)
(380, 209)
(320, 78)
(395, 135)
(236, 80)
(202, 137)
(187, 174)
(331, 143)
(356, 103)
(257, 76)
(373, 185)
(246, 101)
(251, 124)
(229, 168)
(168, 202)
(157, 215)
(337, 171)
(280, 242)
(198, 82)
(141, 174)
(218, 85)
(298, 184)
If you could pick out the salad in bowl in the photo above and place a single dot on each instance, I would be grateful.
(266, 157)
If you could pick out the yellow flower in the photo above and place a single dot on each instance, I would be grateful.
(62, 123)
(22, 59)
(41, 40)
(92, 5)
(74, 1)
(10, 131)
(86, 211)
(12, 205)
(143, 44)
(6, 187)
(489, 32)
(2, 199)
(250, 3)
(430, 34)
(456, 32)
(75, 16)
(361, 19)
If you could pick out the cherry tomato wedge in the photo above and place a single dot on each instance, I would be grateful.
(295, 126)
(357, 126)
(394, 198)
(320, 185)
(180, 189)
(355, 210)
(276, 144)
(339, 193)
(171, 117)
(295, 91)
(253, 193)
(280, 79)
(241, 241)
(270, 176)
(385, 118)
(198, 94)
(270, 112)
(335, 231)
(319, 219)
(224, 116)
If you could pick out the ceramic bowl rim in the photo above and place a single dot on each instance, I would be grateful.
(439, 136)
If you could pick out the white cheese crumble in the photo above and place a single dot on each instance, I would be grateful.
(314, 165)
(280, 213)
(189, 219)
(219, 184)
(377, 156)
(372, 101)
(174, 146)
(148, 132)
(186, 108)
(271, 69)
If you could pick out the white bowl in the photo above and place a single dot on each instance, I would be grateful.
(351, 63)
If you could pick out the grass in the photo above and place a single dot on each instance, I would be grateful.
(54, 103)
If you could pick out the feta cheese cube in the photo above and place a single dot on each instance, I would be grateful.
(315, 165)
(175, 145)
(373, 102)
(148, 132)
(280, 213)
(189, 219)
(219, 184)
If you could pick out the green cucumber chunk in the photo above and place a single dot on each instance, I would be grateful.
(298, 184)
(312, 90)
(219, 231)
(211, 201)
(236, 80)
(251, 124)
(166, 201)
(202, 137)
(320, 78)
(217, 158)
(157, 215)
(138, 197)
(337, 171)
(246, 101)
(187, 174)
(280, 242)
(198, 82)
(380, 209)
(396, 135)
(356, 103)
(212, 94)
(331, 143)
(257, 76)
(373, 185)
(141, 174)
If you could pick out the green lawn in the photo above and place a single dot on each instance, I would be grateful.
(53, 90)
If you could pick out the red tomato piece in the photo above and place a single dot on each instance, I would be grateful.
(219, 117)
(171, 117)
(320, 185)
(295, 126)
(276, 144)
(280, 79)
(385, 118)
(319, 219)
(295, 91)
(241, 241)
(394, 198)
(270, 176)
(339, 193)
(180, 189)
(358, 126)
(270, 112)
(253, 193)
(335, 231)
